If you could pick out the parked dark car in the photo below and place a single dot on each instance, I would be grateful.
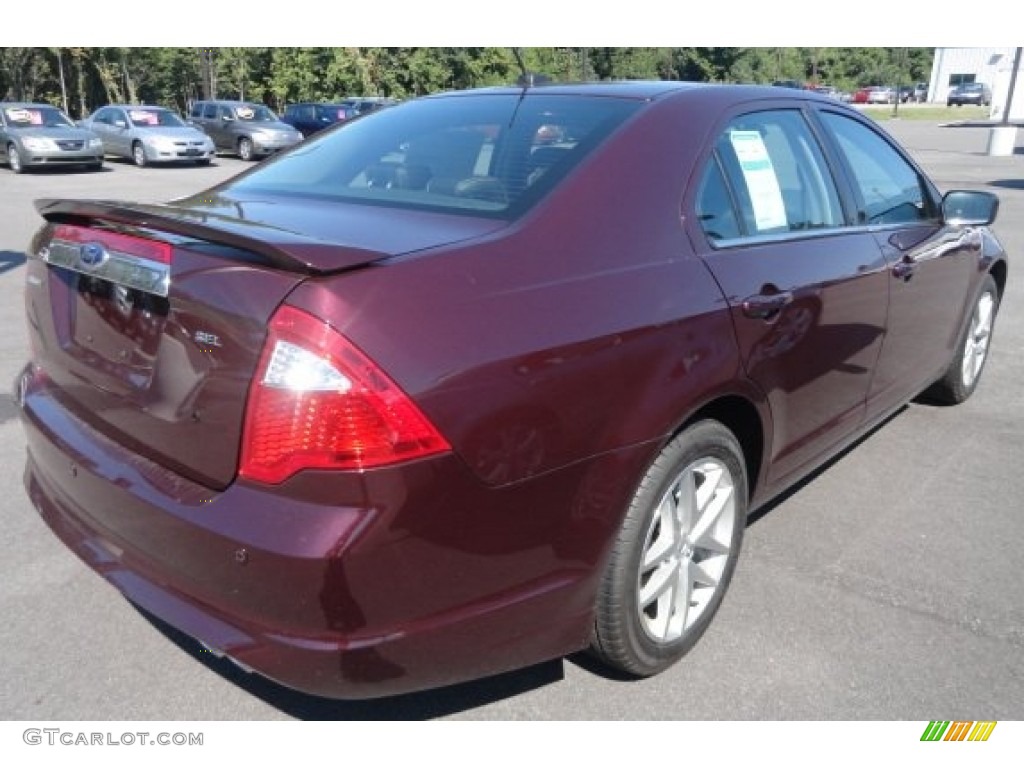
(364, 105)
(795, 84)
(308, 118)
(438, 393)
(978, 94)
(37, 135)
(248, 129)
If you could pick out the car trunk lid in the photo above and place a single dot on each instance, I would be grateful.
(149, 321)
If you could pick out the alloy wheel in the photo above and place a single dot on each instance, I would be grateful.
(686, 549)
(976, 348)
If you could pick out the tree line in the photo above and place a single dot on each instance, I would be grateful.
(81, 79)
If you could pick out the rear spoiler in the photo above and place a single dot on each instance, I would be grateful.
(282, 249)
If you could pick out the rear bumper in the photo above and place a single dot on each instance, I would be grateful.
(349, 586)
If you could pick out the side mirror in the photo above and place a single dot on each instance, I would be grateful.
(227, 118)
(120, 123)
(962, 207)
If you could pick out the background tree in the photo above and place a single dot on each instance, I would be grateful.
(176, 77)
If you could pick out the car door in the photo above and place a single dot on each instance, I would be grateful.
(807, 294)
(929, 264)
(3, 134)
(210, 123)
(100, 124)
(120, 132)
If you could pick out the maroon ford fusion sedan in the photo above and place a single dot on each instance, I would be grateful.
(489, 377)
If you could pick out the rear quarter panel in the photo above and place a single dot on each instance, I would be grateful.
(587, 326)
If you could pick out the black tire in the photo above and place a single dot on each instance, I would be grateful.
(95, 166)
(245, 149)
(139, 154)
(635, 632)
(204, 161)
(961, 378)
(14, 159)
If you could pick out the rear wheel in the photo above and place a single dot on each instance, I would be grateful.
(14, 159)
(675, 554)
(245, 149)
(139, 154)
(968, 362)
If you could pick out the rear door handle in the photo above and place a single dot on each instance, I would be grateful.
(763, 306)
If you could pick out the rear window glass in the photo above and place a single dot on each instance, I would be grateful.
(490, 155)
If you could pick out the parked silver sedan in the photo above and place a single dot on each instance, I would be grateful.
(39, 134)
(149, 134)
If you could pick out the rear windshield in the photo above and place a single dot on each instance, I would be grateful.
(153, 118)
(491, 155)
(36, 117)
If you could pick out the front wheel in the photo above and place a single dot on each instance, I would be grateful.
(139, 154)
(675, 554)
(14, 159)
(245, 149)
(962, 376)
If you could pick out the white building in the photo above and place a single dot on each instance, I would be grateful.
(991, 66)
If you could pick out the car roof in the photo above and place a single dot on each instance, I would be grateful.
(635, 89)
(26, 104)
(135, 106)
(233, 102)
(713, 94)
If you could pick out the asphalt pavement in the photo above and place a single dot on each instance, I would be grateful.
(888, 586)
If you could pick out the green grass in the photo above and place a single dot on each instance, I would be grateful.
(935, 114)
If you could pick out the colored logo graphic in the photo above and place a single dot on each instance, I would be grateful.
(92, 255)
(958, 730)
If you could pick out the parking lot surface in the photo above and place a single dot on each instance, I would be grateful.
(888, 586)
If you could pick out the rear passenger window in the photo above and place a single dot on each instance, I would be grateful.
(715, 209)
(888, 188)
(778, 176)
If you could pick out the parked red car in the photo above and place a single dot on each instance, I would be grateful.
(439, 394)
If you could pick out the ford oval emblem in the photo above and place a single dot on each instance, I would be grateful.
(91, 255)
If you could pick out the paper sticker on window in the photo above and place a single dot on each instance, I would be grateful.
(19, 116)
(245, 113)
(762, 183)
(141, 117)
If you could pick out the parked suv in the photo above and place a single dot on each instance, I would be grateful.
(309, 118)
(249, 129)
(970, 93)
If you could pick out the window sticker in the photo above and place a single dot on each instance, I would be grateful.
(21, 116)
(762, 183)
(245, 113)
(142, 117)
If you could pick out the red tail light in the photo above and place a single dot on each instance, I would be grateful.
(317, 402)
